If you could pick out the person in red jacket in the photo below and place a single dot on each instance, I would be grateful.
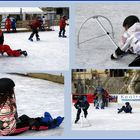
(8, 24)
(62, 26)
(34, 26)
(6, 48)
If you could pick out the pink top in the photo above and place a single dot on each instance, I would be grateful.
(7, 116)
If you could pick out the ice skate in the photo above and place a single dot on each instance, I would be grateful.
(24, 53)
(38, 39)
(30, 39)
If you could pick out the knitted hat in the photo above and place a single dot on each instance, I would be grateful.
(6, 85)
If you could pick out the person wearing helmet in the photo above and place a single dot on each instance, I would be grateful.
(62, 26)
(81, 104)
(35, 25)
(10, 123)
(127, 108)
(4, 48)
(130, 40)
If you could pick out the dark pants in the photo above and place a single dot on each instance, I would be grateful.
(125, 110)
(79, 112)
(135, 62)
(34, 31)
(62, 30)
(22, 125)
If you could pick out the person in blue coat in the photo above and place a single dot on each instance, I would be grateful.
(13, 25)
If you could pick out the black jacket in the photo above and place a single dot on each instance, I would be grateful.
(81, 105)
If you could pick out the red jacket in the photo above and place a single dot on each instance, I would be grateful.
(8, 22)
(36, 24)
(62, 23)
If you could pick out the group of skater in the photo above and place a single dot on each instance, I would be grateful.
(12, 124)
(35, 26)
(82, 105)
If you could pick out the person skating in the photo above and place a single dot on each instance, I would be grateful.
(8, 24)
(10, 123)
(80, 105)
(35, 25)
(130, 41)
(127, 108)
(62, 26)
(4, 48)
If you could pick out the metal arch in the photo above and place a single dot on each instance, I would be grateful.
(107, 33)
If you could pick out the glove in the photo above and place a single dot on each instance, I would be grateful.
(118, 53)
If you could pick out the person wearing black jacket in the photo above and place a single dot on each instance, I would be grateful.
(127, 108)
(81, 104)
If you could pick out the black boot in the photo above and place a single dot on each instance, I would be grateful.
(38, 39)
(24, 53)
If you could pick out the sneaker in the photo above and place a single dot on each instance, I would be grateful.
(24, 53)
(30, 39)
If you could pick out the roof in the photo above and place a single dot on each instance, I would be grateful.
(18, 10)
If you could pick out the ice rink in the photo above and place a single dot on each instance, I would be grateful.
(50, 53)
(96, 52)
(34, 97)
(107, 119)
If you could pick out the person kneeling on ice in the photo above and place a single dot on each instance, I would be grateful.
(127, 108)
(6, 48)
(130, 41)
(62, 26)
(81, 104)
(10, 123)
(35, 25)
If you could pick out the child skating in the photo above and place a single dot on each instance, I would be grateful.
(81, 105)
(35, 25)
(62, 26)
(6, 48)
(130, 41)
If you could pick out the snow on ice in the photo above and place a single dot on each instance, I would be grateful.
(50, 53)
(97, 52)
(107, 119)
(36, 96)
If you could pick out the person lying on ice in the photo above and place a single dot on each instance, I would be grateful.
(35, 25)
(127, 108)
(10, 123)
(6, 48)
(130, 42)
(81, 104)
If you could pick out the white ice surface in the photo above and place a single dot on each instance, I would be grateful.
(34, 97)
(50, 53)
(97, 52)
(107, 119)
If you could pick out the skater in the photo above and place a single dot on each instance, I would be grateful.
(35, 25)
(127, 108)
(95, 100)
(99, 93)
(13, 25)
(80, 105)
(130, 41)
(10, 123)
(62, 26)
(8, 24)
(6, 48)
